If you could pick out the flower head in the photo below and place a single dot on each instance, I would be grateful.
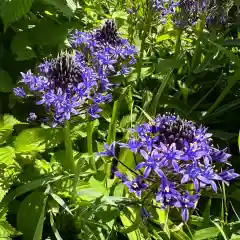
(171, 153)
(76, 82)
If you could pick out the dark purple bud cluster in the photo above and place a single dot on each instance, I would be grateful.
(76, 82)
(174, 153)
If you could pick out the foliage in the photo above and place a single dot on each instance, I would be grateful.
(192, 71)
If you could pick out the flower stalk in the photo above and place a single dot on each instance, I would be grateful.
(68, 146)
(90, 145)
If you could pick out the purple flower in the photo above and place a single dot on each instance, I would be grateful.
(109, 150)
(185, 202)
(170, 154)
(151, 163)
(135, 186)
(77, 81)
(19, 92)
(133, 145)
(93, 110)
(32, 117)
(167, 194)
(228, 175)
(173, 153)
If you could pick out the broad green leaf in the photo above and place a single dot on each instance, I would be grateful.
(14, 10)
(5, 81)
(21, 46)
(97, 185)
(48, 32)
(206, 233)
(7, 155)
(30, 140)
(31, 214)
(66, 7)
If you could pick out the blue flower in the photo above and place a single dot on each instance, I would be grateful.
(170, 154)
(185, 202)
(32, 117)
(167, 194)
(19, 92)
(150, 163)
(109, 150)
(133, 145)
(228, 175)
(136, 186)
(174, 152)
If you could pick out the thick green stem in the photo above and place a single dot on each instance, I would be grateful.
(90, 145)
(144, 36)
(178, 42)
(197, 53)
(68, 146)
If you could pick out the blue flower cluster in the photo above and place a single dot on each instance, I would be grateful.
(173, 153)
(109, 52)
(190, 11)
(77, 81)
(166, 8)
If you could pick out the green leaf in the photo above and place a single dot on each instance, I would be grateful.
(61, 202)
(31, 214)
(54, 228)
(7, 232)
(7, 155)
(48, 32)
(21, 46)
(67, 8)
(220, 230)
(13, 10)
(120, 14)
(131, 225)
(206, 233)
(30, 140)
(5, 81)
(26, 188)
(163, 37)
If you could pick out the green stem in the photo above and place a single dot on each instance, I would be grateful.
(197, 53)
(68, 146)
(144, 36)
(90, 145)
(178, 42)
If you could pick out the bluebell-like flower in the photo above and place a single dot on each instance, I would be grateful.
(76, 82)
(132, 144)
(109, 150)
(167, 194)
(173, 153)
(150, 163)
(32, 117)
(108, 50)
(136, 186)
(19, 92)
(185, 202)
